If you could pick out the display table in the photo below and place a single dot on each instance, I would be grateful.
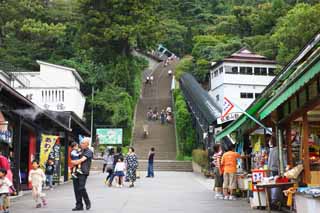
(268, 186)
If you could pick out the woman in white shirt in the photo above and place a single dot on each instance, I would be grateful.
(119, 172)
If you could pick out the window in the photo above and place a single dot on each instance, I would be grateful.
(246, 95)
(260, 71)
(62, 95)
(272, 71)
(217, 97)
(257, 95)
(246, 70)
(221, 70)
(232, 70)
(216, 73)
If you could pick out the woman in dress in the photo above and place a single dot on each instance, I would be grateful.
(132, 165)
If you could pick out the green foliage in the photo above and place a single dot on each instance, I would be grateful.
(201, 158)
(185, 131)
(295, 29)
(184, 65)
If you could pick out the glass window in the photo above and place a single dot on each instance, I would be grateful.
(216, 73)
(246, 95)
(263, 71)
(257, 95)
(232, 70)
(221, 70)
(246, 70)
(260, 71)
(272, 71)
(217, 97)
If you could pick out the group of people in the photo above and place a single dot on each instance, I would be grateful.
(119, 167)
(164, 115)
(225, 168)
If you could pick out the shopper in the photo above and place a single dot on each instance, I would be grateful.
(132, 165)
(229, 165)
(150, 162)
(218, 179)
(119, 172)
(37, 179)
(109, 160)
(49, 173)
(5, 186)
(79, 184)
(115, 160)
(273, 157)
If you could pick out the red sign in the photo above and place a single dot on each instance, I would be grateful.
(227, 107)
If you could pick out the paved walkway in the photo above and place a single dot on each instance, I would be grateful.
(176, 192)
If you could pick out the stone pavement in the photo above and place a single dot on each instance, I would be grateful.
(176, 192)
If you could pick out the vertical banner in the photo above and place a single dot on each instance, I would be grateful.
(47, 143)
(55, 155)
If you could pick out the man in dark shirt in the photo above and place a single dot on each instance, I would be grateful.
(150, 162)
(79, 184)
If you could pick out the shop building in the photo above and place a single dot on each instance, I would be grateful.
(290, 107)
(22, 124)
(53, 87)
(241, 78)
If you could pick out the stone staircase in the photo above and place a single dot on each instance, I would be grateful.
(161, 137)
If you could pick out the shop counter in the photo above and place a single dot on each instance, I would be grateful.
(268, 186)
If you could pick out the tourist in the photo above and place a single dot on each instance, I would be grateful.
(151, 79)
(37, 179)
(169, 72)
(75, 155)
(132, 165)
(109, 161)
(5, 186)
(115, 160)
(79, 184)
(49, 173)
(218, 180)
(147, 80)
(150, 162)
(229, 165)
(162, 116)
(119, 172)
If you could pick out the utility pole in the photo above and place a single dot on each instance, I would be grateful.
(92, 99)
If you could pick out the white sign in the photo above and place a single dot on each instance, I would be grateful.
(229, 117)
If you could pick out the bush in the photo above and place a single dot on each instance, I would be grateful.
(185, 131)
(201, 157)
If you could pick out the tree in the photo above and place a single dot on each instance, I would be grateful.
(295, 29)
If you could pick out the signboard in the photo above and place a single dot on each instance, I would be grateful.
(229, 117)
(110, 136)
(227, 107)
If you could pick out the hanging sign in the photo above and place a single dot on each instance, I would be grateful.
(47, 143)
(227, 107)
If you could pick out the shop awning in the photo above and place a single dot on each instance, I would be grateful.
(288, 92)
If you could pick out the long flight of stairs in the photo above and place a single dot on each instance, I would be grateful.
(161, 137)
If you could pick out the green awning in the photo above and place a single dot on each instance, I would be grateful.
(305, 78)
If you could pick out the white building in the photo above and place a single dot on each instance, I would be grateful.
(240, 78)
(54, 87)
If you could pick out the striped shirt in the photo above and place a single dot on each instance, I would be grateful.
(217, 159)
